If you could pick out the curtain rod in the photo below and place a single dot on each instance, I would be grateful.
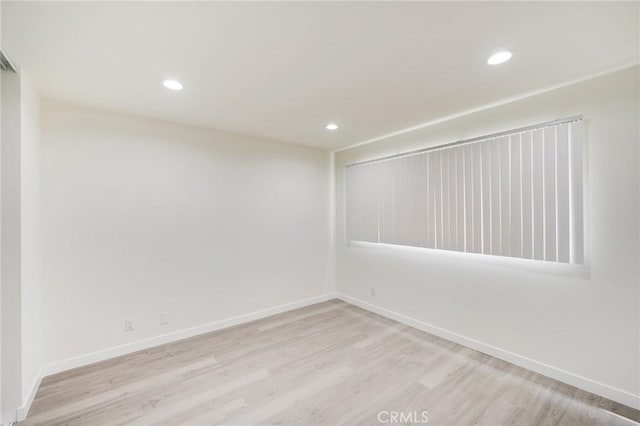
(466, 141)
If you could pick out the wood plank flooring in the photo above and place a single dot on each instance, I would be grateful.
(326, 364)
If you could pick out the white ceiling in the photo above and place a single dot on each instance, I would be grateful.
(283, 70)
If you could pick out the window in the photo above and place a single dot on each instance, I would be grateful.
(517, 194)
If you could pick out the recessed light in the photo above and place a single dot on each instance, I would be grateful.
(172, 84)
(499, 57)
(331, 126)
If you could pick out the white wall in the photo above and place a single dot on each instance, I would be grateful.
(31, 233)
(143, 216)
(584, 322)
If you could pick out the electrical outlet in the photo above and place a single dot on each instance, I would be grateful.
(164, 318)
(128, 324)
(373, 291)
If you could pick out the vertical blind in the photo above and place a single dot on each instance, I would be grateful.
(517, 194)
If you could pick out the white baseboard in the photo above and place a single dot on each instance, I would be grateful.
(589, 385)
(8, 417)
(609, 392)
(113, 352)
(21, 412)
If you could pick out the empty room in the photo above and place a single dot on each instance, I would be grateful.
(319, 213)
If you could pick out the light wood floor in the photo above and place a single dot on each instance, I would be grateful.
(326, 364)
